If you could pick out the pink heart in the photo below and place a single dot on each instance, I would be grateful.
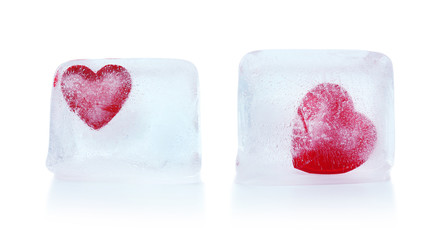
(96, 97)
(329, 136)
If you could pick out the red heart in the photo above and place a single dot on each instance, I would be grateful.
(329, 136)
(96, 98)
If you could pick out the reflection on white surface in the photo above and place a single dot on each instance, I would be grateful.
(186, 204)
(319, 203)
(123, 199)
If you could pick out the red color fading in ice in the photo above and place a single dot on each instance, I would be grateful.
(56, 79)
(96, 97)
(330, 137)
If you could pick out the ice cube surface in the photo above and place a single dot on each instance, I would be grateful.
(315, 117)
(123, 119)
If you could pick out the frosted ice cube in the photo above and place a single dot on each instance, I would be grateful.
(315, 116)
(125, 119)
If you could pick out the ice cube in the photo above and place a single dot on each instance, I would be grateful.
(315, 117)
(125, 119)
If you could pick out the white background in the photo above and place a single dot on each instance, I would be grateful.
(37, 36)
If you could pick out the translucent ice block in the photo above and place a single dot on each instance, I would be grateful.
(114, 119)
(315, 117)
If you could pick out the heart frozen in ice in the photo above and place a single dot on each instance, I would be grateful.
(329, 136)
(96, 97)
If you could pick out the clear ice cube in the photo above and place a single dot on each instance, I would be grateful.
(315, 117)
(125, 119)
